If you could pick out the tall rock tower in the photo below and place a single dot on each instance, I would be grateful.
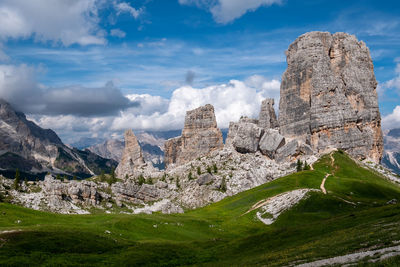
(200, 136)
(328, 95)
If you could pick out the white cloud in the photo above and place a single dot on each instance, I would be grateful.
(225, 11)
(231, 101)
(392, 120)
(393, 83)
(124, 7)
(117, 33)
(64, 21)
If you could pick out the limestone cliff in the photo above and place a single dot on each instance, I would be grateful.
(200, 136)
(328, 95)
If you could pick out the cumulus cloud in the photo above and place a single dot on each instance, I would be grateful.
(64, 21)
(124, 7)
(392, 120)
(231, 101)
(225, 11)
(117, 33)
(18, 86)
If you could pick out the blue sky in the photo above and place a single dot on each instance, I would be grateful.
(95, 67)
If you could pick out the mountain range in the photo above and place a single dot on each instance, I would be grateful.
(35, 151)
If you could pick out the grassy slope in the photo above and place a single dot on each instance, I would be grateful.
(320, 226)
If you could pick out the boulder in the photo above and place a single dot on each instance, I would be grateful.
(270, 142)
(244, 135)
(205, 179)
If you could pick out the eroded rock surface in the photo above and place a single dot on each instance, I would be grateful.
(267, 118)
(328, 95)
(200, 136)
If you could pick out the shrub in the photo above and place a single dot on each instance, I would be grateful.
(149, 181)
(163, 178)
(141, 179)
(198, 170)
(306, 166)
(190, 176)
(178, 185)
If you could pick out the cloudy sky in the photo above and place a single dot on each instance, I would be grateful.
(92, 68)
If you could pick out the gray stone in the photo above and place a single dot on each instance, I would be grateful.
(205, 179)
(244, 135)
(328, 95)
(270, 142)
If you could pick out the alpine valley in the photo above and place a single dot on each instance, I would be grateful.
(304, 187)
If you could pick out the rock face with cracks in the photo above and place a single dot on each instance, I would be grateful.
(200, 136)
(328, 95)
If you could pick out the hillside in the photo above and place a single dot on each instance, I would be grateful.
(360, 212)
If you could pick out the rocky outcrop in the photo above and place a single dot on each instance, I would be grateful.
(200, 136)
(132, 163)
(328, 95)
(267, 118)
(252, 135)
(33, 150)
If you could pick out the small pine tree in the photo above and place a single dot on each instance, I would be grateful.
(112, 173)
(17, 180)
(209, 169)
(141, 179)
(223, 185)
(198, 170)
(149, 181)
(299, 166)
(306, 166)
(163, 178)
(190, 176)
(178, 185)
(26, 181)
(102, 176)
(58, 177)
(215, 169)
(74, 178)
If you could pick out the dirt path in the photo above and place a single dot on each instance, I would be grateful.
(327, 175)
(376, 255)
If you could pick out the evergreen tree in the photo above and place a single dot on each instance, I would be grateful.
(223, 185)
(209, 169)
(26, 181)
(190, 176)
(74, 178)
(58, 177)
(299, 167)
(177, 183)
(17, 179)
(215, 169)
(198, 170)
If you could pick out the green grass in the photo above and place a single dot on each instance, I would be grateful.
(320, 226)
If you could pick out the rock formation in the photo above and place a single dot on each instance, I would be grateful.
(391, 155)
(200, 136)
(328, 95)
(132, 159)
(110, 149)
(267, 118)
(252, 135)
